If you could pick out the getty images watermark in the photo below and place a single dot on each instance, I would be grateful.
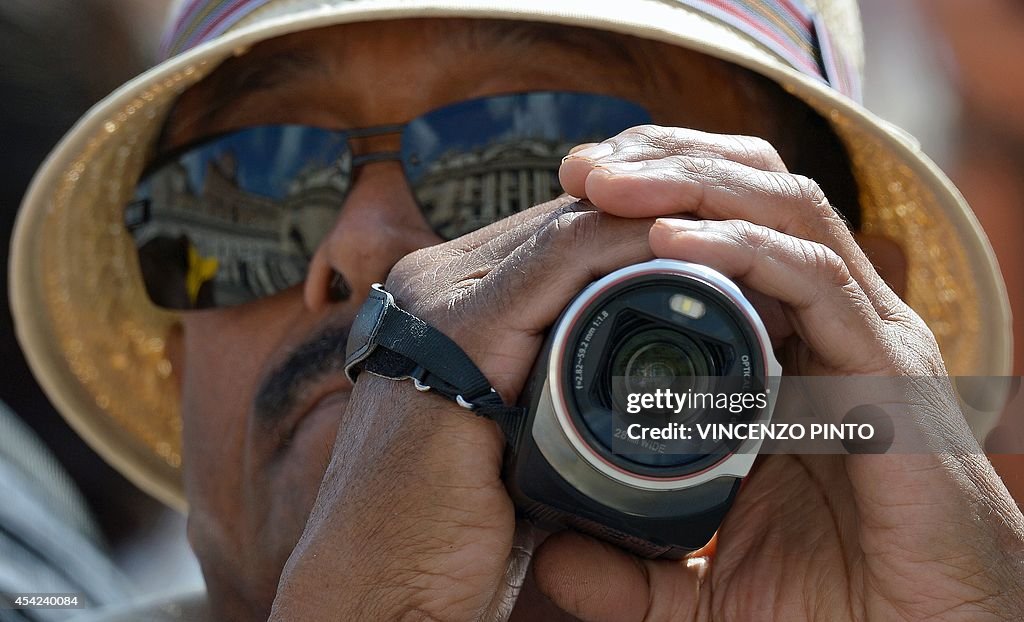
(816, 415)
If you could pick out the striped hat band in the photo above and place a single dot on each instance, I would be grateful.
(787, 27)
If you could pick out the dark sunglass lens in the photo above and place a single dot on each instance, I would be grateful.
(237, 217)
(476, 162)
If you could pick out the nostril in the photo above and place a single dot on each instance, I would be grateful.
(338, 290)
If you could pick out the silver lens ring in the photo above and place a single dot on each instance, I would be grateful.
(734, 464)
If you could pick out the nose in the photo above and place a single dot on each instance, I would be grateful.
(379, 223)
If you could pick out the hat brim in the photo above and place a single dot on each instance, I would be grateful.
(97, 345)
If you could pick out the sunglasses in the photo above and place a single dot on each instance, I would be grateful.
(237, 217)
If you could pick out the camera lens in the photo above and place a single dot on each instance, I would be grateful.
(660, 359)
(660, 347)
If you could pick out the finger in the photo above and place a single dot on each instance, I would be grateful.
(713, 189)
(520, 225)
(479, 252)
(528, 289)
(580, 147)
(519, 292)
(827, 307)
(652, 142)
(597, 582)
(565, 255)
(488, 253)
(722, 190)
(516, 569)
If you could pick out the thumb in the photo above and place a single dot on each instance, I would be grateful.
(597, 582)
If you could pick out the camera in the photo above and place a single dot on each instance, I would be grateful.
(629, 407)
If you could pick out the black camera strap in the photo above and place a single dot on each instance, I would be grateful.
(388, 341)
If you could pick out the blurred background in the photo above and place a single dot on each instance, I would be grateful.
(57, 58)
(945, 70)
(948, 72)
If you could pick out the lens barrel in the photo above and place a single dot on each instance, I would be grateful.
(655, 345)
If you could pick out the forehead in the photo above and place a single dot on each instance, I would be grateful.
(385, 72)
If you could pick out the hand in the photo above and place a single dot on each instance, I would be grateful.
(412, 518)
(883, 537)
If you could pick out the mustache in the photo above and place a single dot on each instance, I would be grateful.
(281, 389)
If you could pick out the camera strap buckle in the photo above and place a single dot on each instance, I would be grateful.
(388, 341)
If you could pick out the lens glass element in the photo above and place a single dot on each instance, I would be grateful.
(641, 376)
(660, 359)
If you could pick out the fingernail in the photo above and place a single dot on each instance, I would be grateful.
(595, 152)
(680, 224)
(581, 147)
(622, 167)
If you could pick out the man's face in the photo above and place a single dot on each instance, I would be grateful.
(263, 392)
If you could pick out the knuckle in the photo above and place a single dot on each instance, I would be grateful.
(422, 279)
(756, 144)
(643, 131)
(757, 149)
(812, 216)
(662, 140)
(809, 193)
(645, 137)
(827, 263)
(406, 269)
(569, 230)
(413, 260)
(917, 350)
(784, 186)
(756, 237)
(702, 168)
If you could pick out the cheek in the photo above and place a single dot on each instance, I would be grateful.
(222, 355)
(213, 414)
(217, 380)
(213, 430)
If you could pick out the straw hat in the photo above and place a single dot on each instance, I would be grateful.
(96, 343)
